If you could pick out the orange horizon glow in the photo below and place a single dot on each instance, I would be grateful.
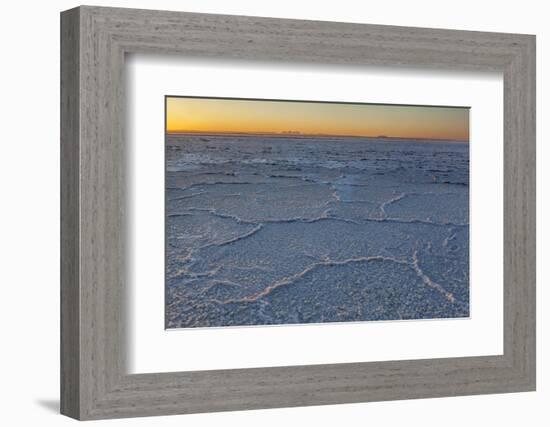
(219, 115)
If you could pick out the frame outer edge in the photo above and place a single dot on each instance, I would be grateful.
(532, 138)
(527, 165)
(70, 396)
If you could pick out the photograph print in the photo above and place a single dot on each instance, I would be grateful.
(283, 212)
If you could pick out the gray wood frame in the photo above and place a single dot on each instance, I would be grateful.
(94, 41)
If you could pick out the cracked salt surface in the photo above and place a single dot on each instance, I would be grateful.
(264, 230)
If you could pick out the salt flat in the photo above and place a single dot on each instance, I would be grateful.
(277, 230)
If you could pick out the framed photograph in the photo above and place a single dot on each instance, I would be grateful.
(263, 213)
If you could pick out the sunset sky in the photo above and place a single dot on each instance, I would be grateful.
(217, 115)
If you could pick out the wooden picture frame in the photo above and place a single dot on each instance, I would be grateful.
(94, 382)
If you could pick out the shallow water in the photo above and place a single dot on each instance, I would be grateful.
(271, 230)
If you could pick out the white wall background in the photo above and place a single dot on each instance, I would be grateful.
(29, 214)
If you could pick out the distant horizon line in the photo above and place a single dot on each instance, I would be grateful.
(321, 135)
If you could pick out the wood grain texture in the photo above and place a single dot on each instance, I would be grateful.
(70, 314)
(95, 383)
